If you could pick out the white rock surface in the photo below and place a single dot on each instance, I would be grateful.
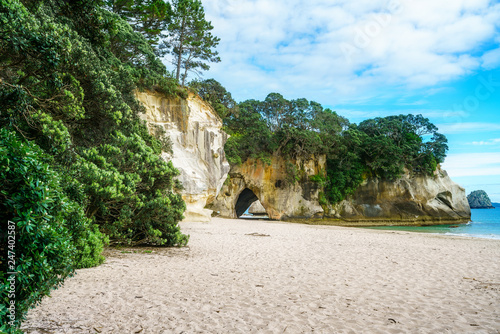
(198, 147)
(256, 208)
(417, 199)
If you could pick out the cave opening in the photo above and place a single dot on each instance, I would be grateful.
(245, 199)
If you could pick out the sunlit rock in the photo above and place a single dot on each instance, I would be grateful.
(198, 146)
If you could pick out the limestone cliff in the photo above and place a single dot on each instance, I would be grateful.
(408, 200)
(268, 183)
(198, 147)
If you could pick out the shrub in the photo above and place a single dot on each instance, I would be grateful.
(52, 234)
(72, 70)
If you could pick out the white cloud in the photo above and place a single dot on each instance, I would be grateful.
(467, 127)
(495, 141)
(472, 164)
(335, 51)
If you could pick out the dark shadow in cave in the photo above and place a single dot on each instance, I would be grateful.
(246, 198)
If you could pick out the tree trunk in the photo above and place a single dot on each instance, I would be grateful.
(186, 68)
(181, 46)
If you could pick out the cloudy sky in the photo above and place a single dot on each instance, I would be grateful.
(369, 58)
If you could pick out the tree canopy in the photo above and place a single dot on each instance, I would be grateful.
(382, 147)
(190, 39)
(148, 17)
(213, 92)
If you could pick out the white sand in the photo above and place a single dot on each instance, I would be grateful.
(299, 279)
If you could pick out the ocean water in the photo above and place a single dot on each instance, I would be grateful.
(485, 224)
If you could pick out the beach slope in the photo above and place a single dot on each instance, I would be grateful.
(247, 276)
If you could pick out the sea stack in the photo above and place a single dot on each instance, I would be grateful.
(479, 199)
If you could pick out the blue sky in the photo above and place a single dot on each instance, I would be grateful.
(370, 58)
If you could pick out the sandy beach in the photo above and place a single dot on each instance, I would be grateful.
(244, 276)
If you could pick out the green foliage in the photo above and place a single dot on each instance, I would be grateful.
(395, 143)
(292, 173)
(294, 129)
(69, 71)
(322, 200)
(190, 39)
(298, 129)
(250, 135)
(345, 165)
(219, 98)
(52, 234)
(319, 178)
(130, 191)
(148, 17)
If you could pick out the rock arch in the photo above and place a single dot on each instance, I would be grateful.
(268, 183)
(245, 199)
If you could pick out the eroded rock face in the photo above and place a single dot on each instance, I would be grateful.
(408, 200)
(198, 147)
(268, 183)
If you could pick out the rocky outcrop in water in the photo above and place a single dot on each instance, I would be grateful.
(479, 199)
(198, 147)
(408, 200)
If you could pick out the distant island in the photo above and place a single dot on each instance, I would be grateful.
(496, 205)
(479, 199)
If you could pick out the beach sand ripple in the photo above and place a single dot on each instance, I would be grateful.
(244, 276)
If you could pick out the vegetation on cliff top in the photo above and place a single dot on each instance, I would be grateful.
(479, 199)
(299, 129)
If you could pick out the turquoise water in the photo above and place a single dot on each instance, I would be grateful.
(485, 224)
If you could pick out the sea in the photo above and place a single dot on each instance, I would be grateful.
(485, 223)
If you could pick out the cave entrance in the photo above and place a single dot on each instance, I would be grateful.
(246, 198)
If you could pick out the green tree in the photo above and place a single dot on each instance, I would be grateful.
(69, 71)
(190, 39)
(148, 17)
(394, 143)
(295, 128)
(250, 137)
(219, 98)
(49, 233)
(345, 164)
